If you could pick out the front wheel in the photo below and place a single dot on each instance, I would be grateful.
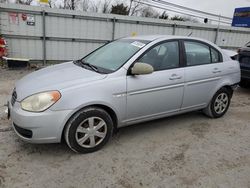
(219, 104)
(88, 130)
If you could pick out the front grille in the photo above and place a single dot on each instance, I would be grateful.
(24, 132)
(13, 97)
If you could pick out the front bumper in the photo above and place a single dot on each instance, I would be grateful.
(44, 127)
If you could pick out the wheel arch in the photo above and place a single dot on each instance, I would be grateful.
(229, 88)
(226, 85)
(211, 112)
(108, 109)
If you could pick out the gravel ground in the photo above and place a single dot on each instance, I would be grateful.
(188, 150)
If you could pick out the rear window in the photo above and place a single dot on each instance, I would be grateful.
(197, 53)
(215, 56)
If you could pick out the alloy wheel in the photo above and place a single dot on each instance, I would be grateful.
(221, 103)
(91, 132)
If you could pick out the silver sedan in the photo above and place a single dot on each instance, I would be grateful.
(124, 82)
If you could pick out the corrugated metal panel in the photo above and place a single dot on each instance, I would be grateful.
(205, 34)
(78, 28)
(126, 29)
(72, 34)
(23, 48)
(69, 50)
(232, 39)
(20, 28)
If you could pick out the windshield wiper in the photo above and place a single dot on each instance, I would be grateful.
(84, 63)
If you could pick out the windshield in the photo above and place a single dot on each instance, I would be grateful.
(248, 44)
(112, 56)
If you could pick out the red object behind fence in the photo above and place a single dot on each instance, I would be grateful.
(3, 47)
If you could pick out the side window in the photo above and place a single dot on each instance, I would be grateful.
(163, 56)
(197, 53)
(215, 56)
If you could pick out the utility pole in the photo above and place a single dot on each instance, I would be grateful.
(217, 31)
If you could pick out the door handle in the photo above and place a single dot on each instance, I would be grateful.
(175, 77)
(216, 70)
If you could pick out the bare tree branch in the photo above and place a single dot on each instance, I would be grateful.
(134, 7)
(94, 7)
(84, 5)
(105, 6)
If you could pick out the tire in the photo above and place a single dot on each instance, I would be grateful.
(88, 130)
(219, 104)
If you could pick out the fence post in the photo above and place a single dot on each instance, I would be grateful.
(113, 28)
(216, 35)
(174, 27)
(44, 37)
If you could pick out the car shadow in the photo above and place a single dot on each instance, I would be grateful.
(59, 149)
(153, 125)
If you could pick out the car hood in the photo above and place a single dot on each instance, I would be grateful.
(55, 77)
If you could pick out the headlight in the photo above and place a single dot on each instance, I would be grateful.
(40, 101)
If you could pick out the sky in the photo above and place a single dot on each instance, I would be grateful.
(223, 7)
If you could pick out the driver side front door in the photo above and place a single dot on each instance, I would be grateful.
(160, 93)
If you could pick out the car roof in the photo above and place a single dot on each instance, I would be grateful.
(163, 37)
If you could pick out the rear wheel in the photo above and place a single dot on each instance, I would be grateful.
(219, 103)
(88, 130)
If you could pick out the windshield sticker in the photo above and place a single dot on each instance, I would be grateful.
(138, 44)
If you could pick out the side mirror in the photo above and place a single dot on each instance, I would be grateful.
(142, 68)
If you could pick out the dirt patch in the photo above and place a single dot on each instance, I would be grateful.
(241, 115)
(170, 163)
(226, 164)
(188, 181)
(125, 183)
(199, 129)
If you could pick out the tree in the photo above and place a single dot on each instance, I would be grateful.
(149, 12)
(58, 4)
(70, 4)
(50, 3)
(163, 16)
(190, 19)
(84, 5)
(119, 9)
(94, 7)
(24, 2)
(73, 4)
(185, 19)
(178, 18)
(105, 6)
(135, 7)
(102, 6)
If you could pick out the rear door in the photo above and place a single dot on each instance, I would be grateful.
(204, 69)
